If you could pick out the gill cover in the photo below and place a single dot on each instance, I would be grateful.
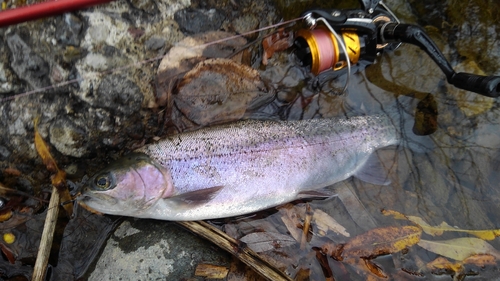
(130, 184)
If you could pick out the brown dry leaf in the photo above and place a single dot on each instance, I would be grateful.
(442, 263)
(303, 274)
(220, 90)
(186, 54)
(59, 179)
(211, 271)
(278, 41)
(459, 248)
(325, 222)
(291, 220)
(480, 260)
(381, 241)
(438, 230)
(374, 268)
(266, 241)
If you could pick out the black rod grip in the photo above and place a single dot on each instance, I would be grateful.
(484, 85)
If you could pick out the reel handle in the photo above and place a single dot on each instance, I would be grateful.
(484, 85)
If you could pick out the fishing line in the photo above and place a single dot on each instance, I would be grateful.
(138, 64)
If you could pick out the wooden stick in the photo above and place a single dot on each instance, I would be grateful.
(42, 257)
(236, 248)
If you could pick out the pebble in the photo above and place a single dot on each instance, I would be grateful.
(28, 65)
(68, 138)
(193, 21)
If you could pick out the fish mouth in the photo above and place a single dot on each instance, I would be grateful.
(88, 196)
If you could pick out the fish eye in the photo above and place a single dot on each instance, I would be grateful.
(103, 181)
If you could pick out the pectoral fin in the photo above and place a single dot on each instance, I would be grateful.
(197, 197)
(316, 194)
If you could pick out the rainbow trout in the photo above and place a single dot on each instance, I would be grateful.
(239, 168)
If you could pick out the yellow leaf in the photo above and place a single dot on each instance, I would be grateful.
(442, 263)
(459, 248)
(59, 179)
(488, 234)
(434, 231)
(381, 241)
(397, 215)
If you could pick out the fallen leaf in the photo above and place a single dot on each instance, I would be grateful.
(488, 234)
(459, 248)
(266, 241)
(220, 90)
(291, 220)
(186, 54)
(381, 241)
(325, 222)
(211, 271)
(59, 179)
(444, 264)
(480, 260)
(278, 41)
(303, 274)
(438, 230)
(458, 268)
(374, 268)
(8, 253)
(325, 266)
(397, 215)
(12, 172)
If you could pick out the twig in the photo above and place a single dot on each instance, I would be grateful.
(42, 257)
(236, 248)
(307, 225)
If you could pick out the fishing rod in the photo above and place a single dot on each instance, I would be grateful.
(339, 38)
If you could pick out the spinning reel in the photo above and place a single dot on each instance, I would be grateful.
(347, 37)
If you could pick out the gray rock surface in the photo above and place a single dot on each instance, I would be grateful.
(154, 250)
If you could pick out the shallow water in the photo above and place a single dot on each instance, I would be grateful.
(445, 169)
(450, 175)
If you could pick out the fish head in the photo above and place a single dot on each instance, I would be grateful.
(128, 187)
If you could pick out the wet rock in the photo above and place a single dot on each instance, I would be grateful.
(193, 21)
(245, 23)
(27, 64)
(68, 30)
(69, 138)
(475, 28)
(147, 6)
(119, 95)
(220, 90)
(4, 153)
(6, 84)
(155, 43)
(154, 250)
